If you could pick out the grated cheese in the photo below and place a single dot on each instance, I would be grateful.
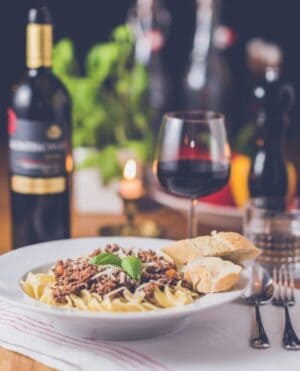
(108, 270)
(114, 292)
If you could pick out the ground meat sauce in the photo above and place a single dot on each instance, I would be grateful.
(74, 275)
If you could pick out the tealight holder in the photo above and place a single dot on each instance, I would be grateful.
(132, 226)
(131, 192)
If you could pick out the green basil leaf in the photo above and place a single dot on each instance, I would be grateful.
(132, 266)
(106, 258)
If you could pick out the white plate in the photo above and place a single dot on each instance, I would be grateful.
(113, 326)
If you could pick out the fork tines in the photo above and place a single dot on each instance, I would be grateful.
(284, 285)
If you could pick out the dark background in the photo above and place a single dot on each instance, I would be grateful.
(90, 21)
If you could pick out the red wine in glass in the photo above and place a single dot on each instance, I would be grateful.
(191, 177)
(193, 156)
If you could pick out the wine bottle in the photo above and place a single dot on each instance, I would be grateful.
(150, 22)
(39, 126)
(268, 175)
(207, 80)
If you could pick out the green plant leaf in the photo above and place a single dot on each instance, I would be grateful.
(142, 149)
(101, 60)
(64, 61)
(123, 33)
(109, 100)
(106, 161)
(132, 266)
(139, 81)
(106, 258)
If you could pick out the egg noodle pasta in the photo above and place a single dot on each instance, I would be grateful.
(38, 286)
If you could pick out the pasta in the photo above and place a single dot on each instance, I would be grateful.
(38, 286)
(103, 282)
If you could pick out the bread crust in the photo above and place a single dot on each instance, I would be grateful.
(228, 245)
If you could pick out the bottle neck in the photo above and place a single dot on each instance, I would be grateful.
(269, 119)
(272, 74)
(32, 72)
(205, 23)
(39, 46)
(150, 21)
(273, 118)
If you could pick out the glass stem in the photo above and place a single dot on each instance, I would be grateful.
(192, 220)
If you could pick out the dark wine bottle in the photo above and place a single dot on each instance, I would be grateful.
(268, 176)
(39, 126)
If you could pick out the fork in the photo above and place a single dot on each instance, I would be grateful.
(283, 279)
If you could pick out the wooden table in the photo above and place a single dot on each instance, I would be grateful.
(174, 223)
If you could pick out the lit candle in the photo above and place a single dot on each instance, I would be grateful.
(131, 187)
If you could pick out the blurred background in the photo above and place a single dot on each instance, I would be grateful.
(89, 23)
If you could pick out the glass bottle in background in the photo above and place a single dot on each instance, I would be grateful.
(39, 143)
(273, 100)
(150, 21)
(260, 55)
(206, 82)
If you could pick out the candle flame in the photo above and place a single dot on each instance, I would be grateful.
(130, 170)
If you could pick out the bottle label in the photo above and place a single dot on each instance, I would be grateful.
(38, 152)
(37, 186)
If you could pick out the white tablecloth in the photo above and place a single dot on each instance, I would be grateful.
(215, 340)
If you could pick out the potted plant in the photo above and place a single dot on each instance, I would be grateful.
(110, 112)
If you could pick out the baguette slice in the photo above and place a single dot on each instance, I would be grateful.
(208, 275)
(228, 245)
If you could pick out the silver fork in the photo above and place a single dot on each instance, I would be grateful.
(284, 285)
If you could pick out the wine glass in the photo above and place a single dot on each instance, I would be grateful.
(192, 157)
